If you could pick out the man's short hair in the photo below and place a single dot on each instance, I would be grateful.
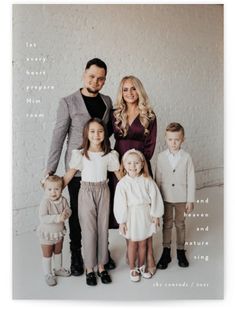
(98, 62)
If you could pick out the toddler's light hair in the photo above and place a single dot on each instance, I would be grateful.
(144, 171)
(53, 178)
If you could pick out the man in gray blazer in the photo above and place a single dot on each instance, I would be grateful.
(73, 112)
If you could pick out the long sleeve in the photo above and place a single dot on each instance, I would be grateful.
(191, 185)
(157, 206)
(44, 215)
(60, 131)
(120, 204)
(150, 140)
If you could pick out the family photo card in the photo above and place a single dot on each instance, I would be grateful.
(176, 51)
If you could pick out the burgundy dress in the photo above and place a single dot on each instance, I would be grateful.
(135, 138)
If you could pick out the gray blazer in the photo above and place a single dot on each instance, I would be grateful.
(72, 115)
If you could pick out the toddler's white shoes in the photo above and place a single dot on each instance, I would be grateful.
(62, 272)
(50, 280)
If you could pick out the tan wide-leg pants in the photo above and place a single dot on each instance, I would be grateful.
(93, 213)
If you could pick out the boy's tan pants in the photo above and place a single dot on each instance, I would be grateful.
(178, 218)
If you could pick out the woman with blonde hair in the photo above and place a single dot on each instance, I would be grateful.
(133, 104)
(134, 126)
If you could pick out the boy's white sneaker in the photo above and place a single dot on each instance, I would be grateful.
(50, 280)
(62, 272)
(146, 275)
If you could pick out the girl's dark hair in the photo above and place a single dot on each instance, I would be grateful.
(105, 145)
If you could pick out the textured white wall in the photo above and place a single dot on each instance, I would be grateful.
(176, 50)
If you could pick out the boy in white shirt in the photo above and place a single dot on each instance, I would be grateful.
(176, 180)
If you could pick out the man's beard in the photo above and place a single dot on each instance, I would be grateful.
(92, 91)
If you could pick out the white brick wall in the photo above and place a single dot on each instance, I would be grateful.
(176, 50)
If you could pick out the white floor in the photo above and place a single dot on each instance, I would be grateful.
(202, 280)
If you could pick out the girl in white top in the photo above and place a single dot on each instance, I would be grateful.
(138, 207)
(94, 159)
(53, 211)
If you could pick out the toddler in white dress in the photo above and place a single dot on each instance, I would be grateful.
(138, 207)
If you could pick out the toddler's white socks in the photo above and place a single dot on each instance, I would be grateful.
(46, 265)
(58, 261)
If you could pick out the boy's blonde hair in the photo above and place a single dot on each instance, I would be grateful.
(144, 171)
(53, 178)
(175, 127)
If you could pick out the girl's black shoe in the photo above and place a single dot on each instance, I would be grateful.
(105, 278)
(91, 278)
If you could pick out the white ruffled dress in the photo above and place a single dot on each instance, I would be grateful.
(136, 201)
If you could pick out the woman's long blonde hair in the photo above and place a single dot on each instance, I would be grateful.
(146, 113)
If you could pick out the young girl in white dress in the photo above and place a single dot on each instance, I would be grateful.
(138, 207)
(53, 211)
(94, 159)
